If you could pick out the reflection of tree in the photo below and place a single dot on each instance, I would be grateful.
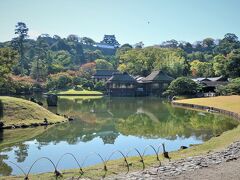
(1, 109)
(79, 131)
(145, 117)
(5, 170)
(22, 152)
(1, 135)
(183, 124)
(109, 137)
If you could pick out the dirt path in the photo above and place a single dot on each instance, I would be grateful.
(226, 170)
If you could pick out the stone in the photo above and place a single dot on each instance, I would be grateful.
(1, 125)
(52, 100)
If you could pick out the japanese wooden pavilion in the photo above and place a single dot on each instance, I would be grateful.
(121, 84)
(155, 83)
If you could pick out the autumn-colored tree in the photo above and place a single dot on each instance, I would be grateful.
(87, 70)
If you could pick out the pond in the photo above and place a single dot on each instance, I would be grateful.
(104, 125)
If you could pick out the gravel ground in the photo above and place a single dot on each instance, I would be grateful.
(218, 165)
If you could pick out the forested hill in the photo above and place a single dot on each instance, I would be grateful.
(56, 62)
(60, 54)
(203, 58)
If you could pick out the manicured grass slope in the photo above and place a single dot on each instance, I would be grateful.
(230, 103)
(80, 97)
(77, 92)
(18, 111)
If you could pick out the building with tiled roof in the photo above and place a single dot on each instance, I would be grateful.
(121, 84)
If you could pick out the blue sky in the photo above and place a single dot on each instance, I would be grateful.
(189, 20)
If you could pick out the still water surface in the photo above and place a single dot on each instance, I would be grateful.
(108, 124)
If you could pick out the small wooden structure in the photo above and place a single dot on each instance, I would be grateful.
(210, 83)
(121, 84)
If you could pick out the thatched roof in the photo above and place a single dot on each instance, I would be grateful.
(220, 78)
(213, 79)
(157, 76)
(121, 78)
(213, 83)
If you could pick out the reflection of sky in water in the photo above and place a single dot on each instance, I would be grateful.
(106, 125)
(83, 149)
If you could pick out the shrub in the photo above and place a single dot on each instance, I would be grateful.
(77, 81)
(59, 81)
(88, 85)
(233, 87)
(183, 86)
(99, 86)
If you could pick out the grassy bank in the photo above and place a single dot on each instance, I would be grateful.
(72, 92)
(214, 144)
(20, 112)
(230, 103)
(80, 97)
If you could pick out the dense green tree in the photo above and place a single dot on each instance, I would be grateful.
(92, 55)
(22, 31)
(208, 45)
(62, 58)
(87, 41)
(233, 65)
(39, 64)
(143, 61)
(233, 87)
(183, 86)
(73, 38)
(227, 44)
(196, 55)
(186, 46)
(201, 69)
(59, 81)
(220, 65)
(103, 64)
(39, 70)
(139, 45)
(8, 58)
(170, 44)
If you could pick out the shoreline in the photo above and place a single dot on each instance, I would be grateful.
(188, 168)
(208, 109)
(215, 144)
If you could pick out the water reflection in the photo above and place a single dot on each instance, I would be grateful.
(107, 124)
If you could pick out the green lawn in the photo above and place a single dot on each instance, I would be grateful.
(77, 92)
(80, 97)
(230, 103)
(17, 111)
